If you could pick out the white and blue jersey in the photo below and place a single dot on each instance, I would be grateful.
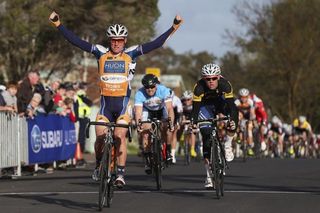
(156, 102)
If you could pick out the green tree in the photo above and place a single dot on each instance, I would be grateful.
(28, 41)
(283, 45)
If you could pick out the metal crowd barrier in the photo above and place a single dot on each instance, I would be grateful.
(13, 141)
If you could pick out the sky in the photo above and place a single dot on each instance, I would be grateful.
(205, 22)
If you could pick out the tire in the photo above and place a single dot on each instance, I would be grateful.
(104, 177)
(157, 162)
(186, 152)
(215, 167)
(112, 178)
(244, 148)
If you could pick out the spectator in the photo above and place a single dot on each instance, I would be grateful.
(68, 103)
(2, 102)
(59, 95)
(10, 98)
(47, 97)
(34, 106)
(26, 91)
(82, 110)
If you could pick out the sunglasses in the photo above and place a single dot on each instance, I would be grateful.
(185, 100)
(150, 87)
(211, 79)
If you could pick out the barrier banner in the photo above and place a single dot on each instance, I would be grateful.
(51, 138)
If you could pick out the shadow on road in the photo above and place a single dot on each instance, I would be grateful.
(51, 201)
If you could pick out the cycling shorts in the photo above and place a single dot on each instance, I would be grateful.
(114, 109)
(161, 114)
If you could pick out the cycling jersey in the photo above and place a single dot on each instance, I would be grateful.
(261, 114)
(187, 109)
(177, 108)
(156, 102)
(305, 126)
(207, 103)
(245, 108)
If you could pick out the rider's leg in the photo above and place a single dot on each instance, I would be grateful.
(250, 138)
(174, 143)
(192, 141)
(205, 133)
(146, 147)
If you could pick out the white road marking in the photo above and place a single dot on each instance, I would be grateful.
(163, 191)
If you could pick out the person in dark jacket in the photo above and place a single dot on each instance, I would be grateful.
(26, 90)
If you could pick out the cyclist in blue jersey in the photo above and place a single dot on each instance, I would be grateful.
(116, 65)
(153, 100)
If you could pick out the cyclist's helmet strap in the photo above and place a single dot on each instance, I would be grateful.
(149, 80)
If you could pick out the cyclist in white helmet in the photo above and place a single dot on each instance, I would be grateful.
(116, 70)
(246, 115)
(213, 95)
(186, 100)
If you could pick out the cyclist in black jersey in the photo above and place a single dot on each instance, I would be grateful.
(213, 95)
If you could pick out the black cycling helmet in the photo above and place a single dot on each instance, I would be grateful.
(149, 80)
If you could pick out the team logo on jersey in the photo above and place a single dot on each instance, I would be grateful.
(114, 67)
(36, 139)
(113, 79)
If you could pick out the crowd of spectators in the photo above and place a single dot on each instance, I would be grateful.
(31, 97)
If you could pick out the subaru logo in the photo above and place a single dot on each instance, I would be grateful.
(36, 139)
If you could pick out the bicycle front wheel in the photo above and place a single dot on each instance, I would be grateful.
(104, 177)
(157, 162)
(186, 151)
(216, 179)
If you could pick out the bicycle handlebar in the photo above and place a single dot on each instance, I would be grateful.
(214, 120)
(109, 125)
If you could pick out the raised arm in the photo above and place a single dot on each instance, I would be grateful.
(158, 42)
(70, 36)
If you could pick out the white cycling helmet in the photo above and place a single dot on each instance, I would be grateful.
(244, 92)
(210, 69)
(302, 118)
(186, 95)
(275, 120)
(117, 30)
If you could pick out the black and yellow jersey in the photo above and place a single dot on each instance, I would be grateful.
(201, 93)
(222, 98)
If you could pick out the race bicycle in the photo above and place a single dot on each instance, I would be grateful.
(158, 151)
(217, 161)
(107, 169)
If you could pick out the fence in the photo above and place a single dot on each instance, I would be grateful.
(13, 141)
(44, 139)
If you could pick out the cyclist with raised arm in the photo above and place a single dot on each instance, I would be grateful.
(153, 100)
(116, 66)
(212, 95)
(247, 113)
